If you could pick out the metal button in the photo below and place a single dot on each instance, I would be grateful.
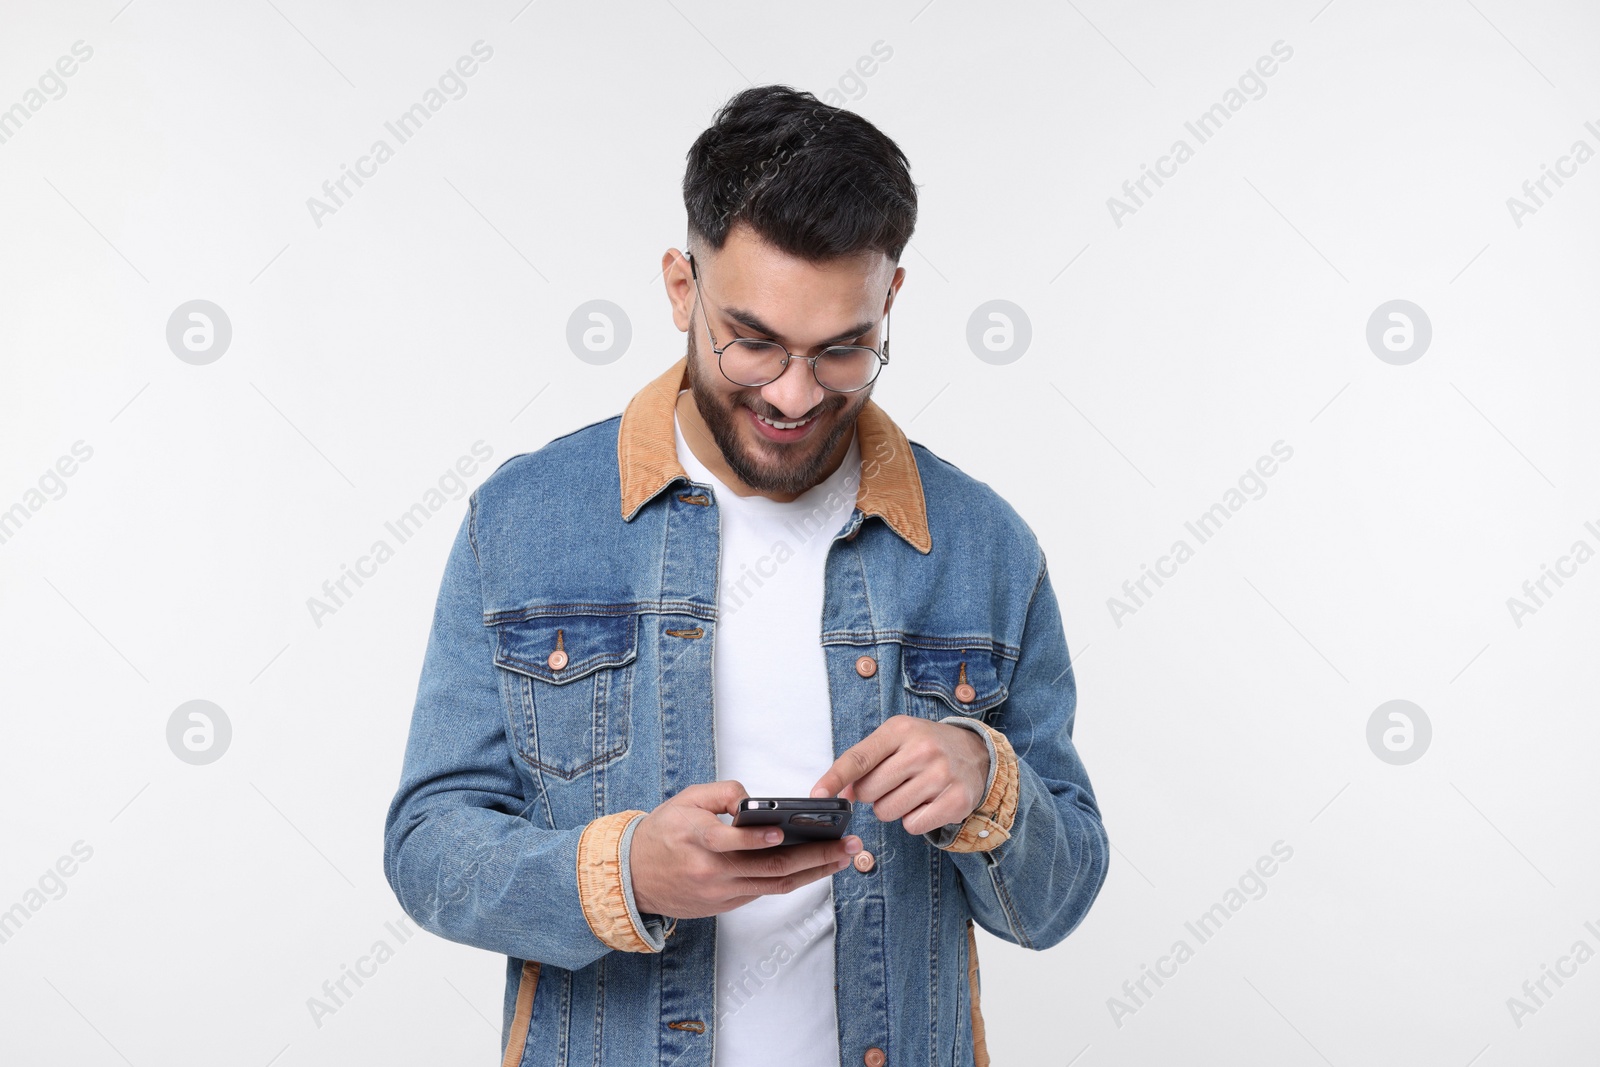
(866, 666)
(965, 693)
(874, 1057)
(557, 660)
(864, 860)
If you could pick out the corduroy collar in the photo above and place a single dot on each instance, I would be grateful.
(647, 458)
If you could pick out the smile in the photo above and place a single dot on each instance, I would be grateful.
(784, 425)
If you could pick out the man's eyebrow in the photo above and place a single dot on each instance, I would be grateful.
(750, 321)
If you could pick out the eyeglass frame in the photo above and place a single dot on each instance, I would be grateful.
(882, 354)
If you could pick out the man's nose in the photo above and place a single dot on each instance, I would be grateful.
(794, 392)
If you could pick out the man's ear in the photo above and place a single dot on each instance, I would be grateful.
(679, 282)
(894, 286)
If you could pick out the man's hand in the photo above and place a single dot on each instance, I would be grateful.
(687, 863)
(925, 774)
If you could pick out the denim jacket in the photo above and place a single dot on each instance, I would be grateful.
(566, 692)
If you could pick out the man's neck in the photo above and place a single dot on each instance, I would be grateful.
(697, 435)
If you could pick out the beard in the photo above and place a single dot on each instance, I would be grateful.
(773, 467)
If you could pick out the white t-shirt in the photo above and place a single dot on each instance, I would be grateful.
(774, 734)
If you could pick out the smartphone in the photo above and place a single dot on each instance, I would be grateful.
(800, 818)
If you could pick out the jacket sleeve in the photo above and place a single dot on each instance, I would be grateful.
(1033, 855)
(460, 851)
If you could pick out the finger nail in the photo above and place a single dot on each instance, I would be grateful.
(853, 845)
(774, 836)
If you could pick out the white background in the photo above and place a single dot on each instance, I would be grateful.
(1168, 353)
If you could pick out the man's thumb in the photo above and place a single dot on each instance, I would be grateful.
(716, 797)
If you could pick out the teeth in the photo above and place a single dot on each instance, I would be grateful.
(784, 425)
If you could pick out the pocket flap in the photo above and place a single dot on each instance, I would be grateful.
(938, 672)
(589, 642)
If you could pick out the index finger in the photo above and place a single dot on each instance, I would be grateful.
(725, 838)
(853, 763)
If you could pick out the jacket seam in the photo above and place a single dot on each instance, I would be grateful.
(902, 637)
(980, 1044)
(935, 870)
(637, 607)
(1013, 919)
(861, 568)
(522, 1017)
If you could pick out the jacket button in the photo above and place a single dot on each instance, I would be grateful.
(965, 693)
(874, 1057)
(864, 861)
(557, 660)
(866, 666)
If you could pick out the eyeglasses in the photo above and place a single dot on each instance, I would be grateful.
(751, 362)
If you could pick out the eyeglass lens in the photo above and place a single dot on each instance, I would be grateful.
(844, 368)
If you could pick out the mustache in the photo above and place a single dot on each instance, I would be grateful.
(779, 416)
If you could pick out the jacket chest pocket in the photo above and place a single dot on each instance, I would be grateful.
(951, 681)
(569, 689)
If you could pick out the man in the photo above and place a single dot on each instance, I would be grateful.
(627, 643)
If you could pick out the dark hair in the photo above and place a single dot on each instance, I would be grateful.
(813, 180)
